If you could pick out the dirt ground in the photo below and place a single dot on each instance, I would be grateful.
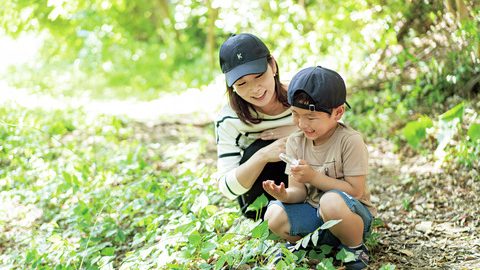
(430, 213)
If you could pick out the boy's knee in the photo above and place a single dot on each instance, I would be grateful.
(331, 205)
(275, 217)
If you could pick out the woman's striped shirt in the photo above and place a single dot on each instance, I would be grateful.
(232, 137)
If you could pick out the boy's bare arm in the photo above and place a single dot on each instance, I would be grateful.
(353, 185)
(296, 191)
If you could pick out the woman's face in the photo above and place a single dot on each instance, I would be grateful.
(257, 89)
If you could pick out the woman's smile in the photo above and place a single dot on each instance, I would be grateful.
(260, 97)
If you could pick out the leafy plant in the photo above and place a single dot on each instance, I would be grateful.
(313, 236)
(415, 131)
(257, 205)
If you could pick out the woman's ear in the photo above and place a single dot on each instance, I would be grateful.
(272, 63)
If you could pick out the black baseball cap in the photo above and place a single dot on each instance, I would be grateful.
(241, 55)
(324, 86)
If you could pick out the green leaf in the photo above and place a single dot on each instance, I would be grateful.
(31, 255)
(226, 238)
(455, 112)
(326, 249)
(261, 230)
(273, 237)
(298, 244)
(67, 177)
(211, 209)
(109, 251)
(305, 240)
(281, 265)
(315, 255)
(388, 267)
(195, 239)
(326, 264)
(221, 262)
(260, 202)
(120, 237)
(474, 132)
(415, 131)
(300, 255)
(377, 222)
(330, 223)
(345, 256)
(315, 237)
(207, 247)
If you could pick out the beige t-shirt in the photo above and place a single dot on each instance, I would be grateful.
(344, 154)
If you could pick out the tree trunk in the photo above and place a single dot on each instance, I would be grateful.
(462, 11)
(211, 44)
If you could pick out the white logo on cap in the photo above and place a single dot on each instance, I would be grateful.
(239, 56)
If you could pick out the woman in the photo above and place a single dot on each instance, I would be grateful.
(251, 130)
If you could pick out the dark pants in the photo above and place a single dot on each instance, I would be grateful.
(272, 171)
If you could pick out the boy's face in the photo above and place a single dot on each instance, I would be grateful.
(317, 126)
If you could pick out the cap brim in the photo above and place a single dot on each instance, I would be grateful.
(252, 67)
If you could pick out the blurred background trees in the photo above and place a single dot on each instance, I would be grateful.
(140, 48)
(401, 59)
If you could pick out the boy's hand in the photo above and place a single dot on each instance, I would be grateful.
(279, 192)
(302, 173)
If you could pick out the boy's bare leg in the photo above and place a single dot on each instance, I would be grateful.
(278, 223)
(350, 230)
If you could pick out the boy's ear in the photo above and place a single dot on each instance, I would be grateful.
(338, 112)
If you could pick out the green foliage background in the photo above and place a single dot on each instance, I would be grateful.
(138, 49)
(101, 197)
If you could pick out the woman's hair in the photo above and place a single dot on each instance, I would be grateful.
(244, 109)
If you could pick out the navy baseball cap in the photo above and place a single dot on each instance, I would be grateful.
(325, 86)
(241, 55)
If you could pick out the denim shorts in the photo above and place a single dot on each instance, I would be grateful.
(304, 218)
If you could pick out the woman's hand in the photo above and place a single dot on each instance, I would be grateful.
(279, 192)
(271, 152)
(277, 133)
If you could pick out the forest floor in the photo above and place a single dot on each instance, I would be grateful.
(430, 213)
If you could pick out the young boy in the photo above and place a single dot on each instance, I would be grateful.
(329, 181)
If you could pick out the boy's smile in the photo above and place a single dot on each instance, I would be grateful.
(317, 126)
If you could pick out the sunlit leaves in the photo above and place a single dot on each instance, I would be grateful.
(455, 112)
(474, 132)
(261, 230)
(415, 131)
(258, 204)
(108, 251)
(456, 132)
